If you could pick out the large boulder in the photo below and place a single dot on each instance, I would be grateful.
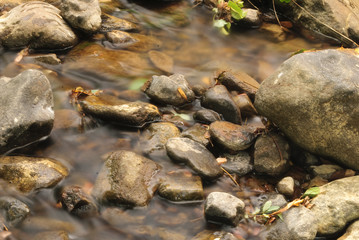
(26, 109)
(313, 98)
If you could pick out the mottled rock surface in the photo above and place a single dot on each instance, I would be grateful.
(206, 116)
(51, 235)
(198, 133)
(15, 210)
(239, 163)
(324, 171)
(286, 186)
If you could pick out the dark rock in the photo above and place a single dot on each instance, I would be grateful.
(173, 90)
(223, 208)
(245, 105)
(29, 173)
(327, 97)
(231, 136)
(324, 171)
(110, 23)
(179, 186)
(206, 116)
(195, 155)
(126, 178)
(109, 108)
(15, 210)
(198, 133)
(239, 81)
(37, 25)
(352, 232)
(271, 154)
(84, 15)
(220, 100)
(286, 186)
(51, 235)
(19, 126)
(239, 163)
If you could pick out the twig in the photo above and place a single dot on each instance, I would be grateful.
(231, 177)
(275, 13)
(253, 5)
(277, 146)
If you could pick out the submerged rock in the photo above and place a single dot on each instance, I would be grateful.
(110, 23)
(126, 178)
(133, 41)
(15, 210)
(51, 235)
(206, 116)
(308, 95)
(30, 90)
(214, 235)
(239, 163)
(37, 25)
(161, 60)
(28, 173)
(195, 155)
(198, 133)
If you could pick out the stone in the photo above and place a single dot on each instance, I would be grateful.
(195, 155)
(29, 173)
(84, 15)
(223, 208)
(286, 186)
(245, 105)
(324, 171)
(15, 210)
(220, 100)
(161, 60)
(44, 224)
(198, 133)
(37, 25)
(126, 178)
(206, 116)
(336, 205)
(179, 186)
(232, 137)
(271, 154)
(112, 109)
(214, 235)
(155, 136)
(67, 119)
(252, 18)
(352, 232)
(276, 199)
(19, 126)
(110, 23)
(51, 235)
(173, 90)
(239, 163)
(308, 95)
(44, 59)
(298, 223)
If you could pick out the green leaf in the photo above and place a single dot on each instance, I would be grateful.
(311, 192)
(272, 209)
(236, 11)
(137, 83)
(256, 211)
(220, 23)
(280, 216)
(215, 10)
(266, 206)
(285, 1)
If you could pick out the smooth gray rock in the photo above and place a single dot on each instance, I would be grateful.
(324, 171)
(352, 232)
(220, 100)
(36, 25)
(206, 116)
(173, 90)
(126, 178)
(271, 154)
(286, 186)
(223, 208)
(336, 205)
(239, 163)
(84, 15)
(276, 199)
(26, 109)
(299, 223)
(195, 155)
(198, 133)
(308, 95)
(15, 210)
(252, 18)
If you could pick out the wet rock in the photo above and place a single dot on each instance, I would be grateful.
(173, 90)
(328, 93)
(126, 178)
(37, 25)
(44, 59)
(77, 202)
(37, 224)
(220, 100)
(352, 232)
(239, 81)
(198, 133)
(275, 198)
(252, 18)
(195, 155)
(84, 15)
(298, 223)
(19, 126)
(223, 208)
(156, 135)
(324, 171)
(179, 186)
(15, 210)
(206, 116)
(211, 235)
(51, 235)
(28, 173)
(245, 105)
(161, 60)
(286, 186)
(67, 119)
(231, 136)
(336, 205)
(110, 23)
(271, 154)
(239, 163)
(109, 108)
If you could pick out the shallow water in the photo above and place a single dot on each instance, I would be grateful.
(198, 52)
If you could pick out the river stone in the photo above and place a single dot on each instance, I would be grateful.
(51, 235)
(15, 210)
(352, 232)
(223, 208)
(156, 135)
(206, 116)
(239, 163)
(110, 23)
(299, 223)
(36, 25)
(161, 60)
(133, 41)
(179, 186)
(126, 178)
(230, 136)
(308, 95)
(286, 186)
(84, 15)
(324, 171)
(220, 100)
(336, 205)
(271, 154)
(173, 90)
(37, 224)
(214, 235)
(30, 173)
(19, 126)
(110, 108)
(198, 133)
(195, 155)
